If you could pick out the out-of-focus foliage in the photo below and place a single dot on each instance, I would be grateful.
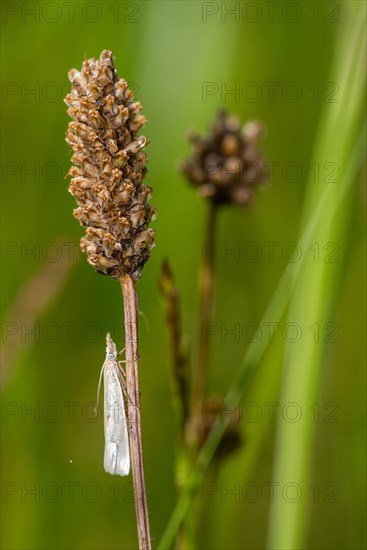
(186, 60)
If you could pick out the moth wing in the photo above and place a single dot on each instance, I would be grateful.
(116, 453)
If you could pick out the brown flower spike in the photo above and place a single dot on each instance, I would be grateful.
(227, 166)
(108, 168)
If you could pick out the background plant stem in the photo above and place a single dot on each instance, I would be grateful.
(194, 437)
(256, 351)
(206, 282)
(133, 403)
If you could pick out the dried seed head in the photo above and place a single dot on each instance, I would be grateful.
(108, 168)
(227, 166)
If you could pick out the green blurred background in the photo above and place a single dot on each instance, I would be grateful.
(173, 53)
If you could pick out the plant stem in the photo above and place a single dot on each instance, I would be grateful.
(200, 376)
(133, 403)
(186, 536)
(256, 350)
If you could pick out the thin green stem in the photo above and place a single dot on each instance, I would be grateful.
(206, 296)
(194, 435)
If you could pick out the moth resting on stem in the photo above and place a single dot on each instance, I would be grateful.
(117, 451)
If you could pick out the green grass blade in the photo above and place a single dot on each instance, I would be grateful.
(314, 296)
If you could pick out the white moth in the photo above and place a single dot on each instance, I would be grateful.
(116, 452)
